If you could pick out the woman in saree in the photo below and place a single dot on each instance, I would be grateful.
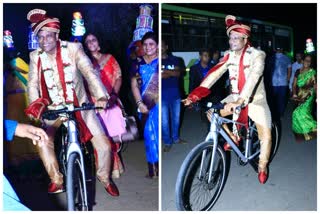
(144, 86)
(110, 74)
(304, 93)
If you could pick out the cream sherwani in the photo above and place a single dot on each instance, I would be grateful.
(253, 93)
(82, 69)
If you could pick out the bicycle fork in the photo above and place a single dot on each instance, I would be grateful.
(213, 134)
(74, 147)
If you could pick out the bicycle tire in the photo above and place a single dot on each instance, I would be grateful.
(191, 162)
(275, 140)
(75, 186)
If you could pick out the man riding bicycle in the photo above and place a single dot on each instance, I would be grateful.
(245, 65)
(56, 75)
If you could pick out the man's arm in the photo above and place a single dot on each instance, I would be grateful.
(289, 74)
(33, 78)
(171, 73)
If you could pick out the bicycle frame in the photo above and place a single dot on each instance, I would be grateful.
(216, 129)
(74, 147)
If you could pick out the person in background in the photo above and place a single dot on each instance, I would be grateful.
(200, 70)
(145, 89)
(111, 118)
(280, 81)
(215, 57)
(295, 66)
(304, 92)
(171, 99)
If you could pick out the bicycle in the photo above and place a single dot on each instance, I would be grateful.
(204, 172)
(71, 156)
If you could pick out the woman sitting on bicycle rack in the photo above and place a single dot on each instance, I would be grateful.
(56, 75)
(245, 65)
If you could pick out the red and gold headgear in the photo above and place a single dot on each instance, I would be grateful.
(233, 24)
(40, 21)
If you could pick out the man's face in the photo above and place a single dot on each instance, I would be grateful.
(204, 57)
(298, 57)
(164, 47)
(48, 41)
(237, 41)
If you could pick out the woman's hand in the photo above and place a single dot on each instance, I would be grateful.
(143, 108)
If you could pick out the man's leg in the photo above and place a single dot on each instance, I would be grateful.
(102, 148)
(175, 108)
(264, 134)
(165, 126)
(49, 159)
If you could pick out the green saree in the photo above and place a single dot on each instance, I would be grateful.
(303, 124)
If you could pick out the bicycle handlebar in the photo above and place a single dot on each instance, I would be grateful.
(216, 106)
(54, 114)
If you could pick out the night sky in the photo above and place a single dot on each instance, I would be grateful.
(301, 17)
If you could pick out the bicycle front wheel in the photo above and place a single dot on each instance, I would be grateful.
(75, 186)
(194, 189)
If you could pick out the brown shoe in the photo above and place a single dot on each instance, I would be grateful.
(180, 141)
(167, 148)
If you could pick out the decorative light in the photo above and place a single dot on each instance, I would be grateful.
(7, 39)
(77, 29)
(309, 46)
(33, 40)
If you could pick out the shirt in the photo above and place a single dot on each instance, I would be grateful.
(280, 72)
(295, 67)
(170, 86)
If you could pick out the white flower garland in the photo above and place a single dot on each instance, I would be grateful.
(56, 96)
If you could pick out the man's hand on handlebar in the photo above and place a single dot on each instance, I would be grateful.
(230, 107)
(186, 102)
(102, 102)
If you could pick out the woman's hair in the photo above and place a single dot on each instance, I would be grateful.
(86, 50)
(149, 35)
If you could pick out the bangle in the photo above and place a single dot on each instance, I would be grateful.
(139, 102)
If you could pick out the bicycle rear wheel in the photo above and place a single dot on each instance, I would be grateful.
(193, 191)
(75, 186)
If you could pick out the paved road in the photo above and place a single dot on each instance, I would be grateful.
(292, 185)
(136, 191)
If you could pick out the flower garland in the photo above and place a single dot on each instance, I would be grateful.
(56, 96)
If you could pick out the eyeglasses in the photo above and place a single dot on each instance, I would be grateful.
(236, 38)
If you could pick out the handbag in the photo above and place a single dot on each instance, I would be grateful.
(132, 132)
